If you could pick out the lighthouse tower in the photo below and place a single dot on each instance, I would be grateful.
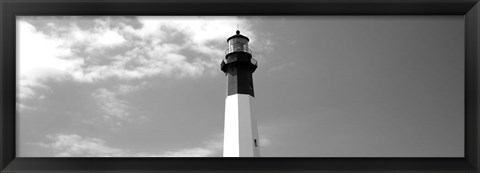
(240, 134)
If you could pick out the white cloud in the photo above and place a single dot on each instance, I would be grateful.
(77, 146)
(110, 38)
(114, 110)
(25, 107)
(40, 57)
(125, 88)
(198, 30)
(97, 38)
(208, 149)
(73, 145)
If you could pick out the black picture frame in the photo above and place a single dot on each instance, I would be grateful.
(11, 8)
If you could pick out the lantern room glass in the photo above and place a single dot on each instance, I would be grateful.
(238, 45)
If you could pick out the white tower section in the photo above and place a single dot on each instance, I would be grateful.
(241, 134)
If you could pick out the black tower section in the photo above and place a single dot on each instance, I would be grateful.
(239, 65)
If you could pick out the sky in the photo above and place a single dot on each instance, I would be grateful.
(326, 86)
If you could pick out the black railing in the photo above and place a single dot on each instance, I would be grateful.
(253, 61)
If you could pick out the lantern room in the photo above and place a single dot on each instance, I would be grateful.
(238, 43)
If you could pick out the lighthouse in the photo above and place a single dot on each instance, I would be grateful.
(240, 132)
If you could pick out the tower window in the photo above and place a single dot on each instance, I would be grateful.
(255, 142)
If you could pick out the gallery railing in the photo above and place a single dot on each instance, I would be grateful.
(253, 61)
(238, 49)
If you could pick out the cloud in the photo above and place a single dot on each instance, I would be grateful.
(24, 107)
(111, 47)
(199, 30)
(113, 107)
(98, 37)
(126, 89)
(40, 57)
(74, 145)
(114, 111)
(109, 38)
(212, 148)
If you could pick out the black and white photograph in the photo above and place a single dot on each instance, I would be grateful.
(240, 86)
